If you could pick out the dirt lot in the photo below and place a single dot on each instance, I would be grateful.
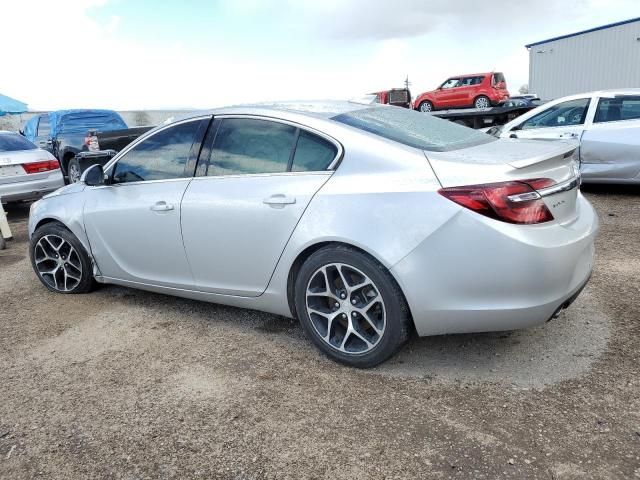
(127, 384)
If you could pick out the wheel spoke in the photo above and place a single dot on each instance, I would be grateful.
(350, 328)
(54, 254)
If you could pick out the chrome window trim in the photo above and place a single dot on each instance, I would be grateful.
(272, 174)
(332, 166)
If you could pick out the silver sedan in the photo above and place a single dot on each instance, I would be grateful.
(365, 222)
(605, 123)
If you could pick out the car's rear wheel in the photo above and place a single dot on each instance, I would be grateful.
(350, 306)
(60, 261)
(482, 102)
(426, 106)
(74, 170)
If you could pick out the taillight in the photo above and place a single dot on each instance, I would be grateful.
(512, 202)
(38, 167)
(91, 141)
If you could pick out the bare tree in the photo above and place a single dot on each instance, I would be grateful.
(524, 89)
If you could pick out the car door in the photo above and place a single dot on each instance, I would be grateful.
(237, 216)
(610, 147)
(564, 120)
(133, 222)
(446, 95)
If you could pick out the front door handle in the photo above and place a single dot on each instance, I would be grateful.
(161, 207)
(569, 135)
(279, 200)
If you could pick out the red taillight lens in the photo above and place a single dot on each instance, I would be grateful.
(512, 202)
(38, 167)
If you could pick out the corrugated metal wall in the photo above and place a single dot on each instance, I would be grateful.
(608, 58)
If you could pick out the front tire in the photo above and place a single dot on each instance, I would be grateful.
(350, 307)
(60, 261)
(426, 107)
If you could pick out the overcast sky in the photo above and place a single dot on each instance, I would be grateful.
(135, 54)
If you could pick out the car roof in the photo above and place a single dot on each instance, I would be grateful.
(600, 93)
(472, 74)
(319, 109)
(81, 110)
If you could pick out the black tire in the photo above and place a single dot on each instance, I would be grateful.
(86, 281)
(73, 170)
(482, 99)
(397, 318)
(426, 106)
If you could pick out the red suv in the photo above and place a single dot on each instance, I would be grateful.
(479, 90)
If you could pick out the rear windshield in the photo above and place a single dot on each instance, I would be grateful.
(12, 142)
(81, 122)
(415, 129)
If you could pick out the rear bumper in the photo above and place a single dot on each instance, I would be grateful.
(31, 189)
(477, 275)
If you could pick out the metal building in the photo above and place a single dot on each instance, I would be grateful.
(596, 59)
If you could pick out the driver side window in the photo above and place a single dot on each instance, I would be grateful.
(572, 112)
(161, 156)
(451, 83)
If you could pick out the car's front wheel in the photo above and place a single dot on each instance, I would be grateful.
(426, 106)
(350, 306)
(60, 261)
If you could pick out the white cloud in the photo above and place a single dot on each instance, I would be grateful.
(56, 55)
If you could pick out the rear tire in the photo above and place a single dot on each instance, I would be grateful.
(350, 307)
(60, 261)
(426, 107)
(73, 170)
(482, 102)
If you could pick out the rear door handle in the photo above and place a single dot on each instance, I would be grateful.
(279, 200)
(568, 135)
(161, 207)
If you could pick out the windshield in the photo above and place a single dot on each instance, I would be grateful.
(12, 142)
(81, 122)
(415, 129)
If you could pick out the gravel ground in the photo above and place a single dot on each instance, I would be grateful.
(128, 384)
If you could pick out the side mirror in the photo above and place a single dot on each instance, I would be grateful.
(21, 132)
(93, 176)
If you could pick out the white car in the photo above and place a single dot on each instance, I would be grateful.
(26, 171)
(606, 123)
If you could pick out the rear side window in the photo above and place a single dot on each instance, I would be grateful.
(161, 156)
(12, 142)
(572, 112)
(414, 129)
(618, 108)
(44, 126)
(313, 153)
(246, 146)
(470, 81)
(497, 78)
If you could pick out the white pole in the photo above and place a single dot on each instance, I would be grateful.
(5, 231)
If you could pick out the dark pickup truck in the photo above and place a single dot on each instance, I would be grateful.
(100, 147)
(64, 133)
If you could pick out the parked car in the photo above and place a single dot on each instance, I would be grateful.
(26, 171)
(63, 133)
(477, 90)
(364, 221)
(605, 123)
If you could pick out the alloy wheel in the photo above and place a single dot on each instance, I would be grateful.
(482, 102)
(58, 263)
(346, 308)
(425, 107)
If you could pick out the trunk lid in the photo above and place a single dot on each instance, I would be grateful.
(514, 160)
(11, 170)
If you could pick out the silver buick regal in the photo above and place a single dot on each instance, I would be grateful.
(364, 222)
